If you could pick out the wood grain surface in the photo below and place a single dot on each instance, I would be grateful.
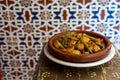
(48, 70)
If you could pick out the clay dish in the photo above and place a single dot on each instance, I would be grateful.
(79, 58)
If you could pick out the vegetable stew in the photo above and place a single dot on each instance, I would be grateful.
(79, 43)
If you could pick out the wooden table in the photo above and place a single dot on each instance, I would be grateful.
(48, 70)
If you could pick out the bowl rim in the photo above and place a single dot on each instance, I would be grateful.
(79, 58)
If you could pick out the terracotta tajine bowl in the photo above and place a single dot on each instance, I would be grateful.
(67, 56)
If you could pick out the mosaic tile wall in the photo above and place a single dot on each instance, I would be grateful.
(26, 24)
